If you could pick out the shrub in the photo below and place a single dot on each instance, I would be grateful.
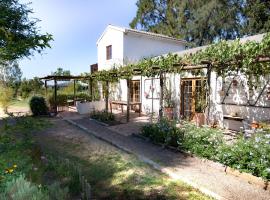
(6, 95)
(62, 98)
(19, 188)
(204, 141)
(57, 193)
(249, 155)
(38, 106)
(164, 132)
(102, 116)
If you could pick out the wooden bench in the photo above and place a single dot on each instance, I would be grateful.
(124, 103)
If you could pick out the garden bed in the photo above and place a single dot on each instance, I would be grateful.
(104, 118)
(244, 155)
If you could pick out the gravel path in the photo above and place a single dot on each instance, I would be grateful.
(197, 172)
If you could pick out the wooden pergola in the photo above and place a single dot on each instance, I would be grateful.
(57, 78)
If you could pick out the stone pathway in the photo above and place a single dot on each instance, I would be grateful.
(207, 176)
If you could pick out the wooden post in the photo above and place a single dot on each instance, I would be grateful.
(152, 99)
(107, 96)
(161, 83)
(55, 96)
(128, 98)
(90, 87)
(209, 70)
(74, 92)
(46, 89)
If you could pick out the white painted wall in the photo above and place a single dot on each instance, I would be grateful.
(137, 47)
(110, 37)
(238, 95)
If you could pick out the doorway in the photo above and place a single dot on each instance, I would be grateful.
(193, 94)
(135, 93)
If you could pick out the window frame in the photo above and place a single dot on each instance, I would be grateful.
(109, 52)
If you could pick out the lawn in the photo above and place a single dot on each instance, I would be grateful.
(21, 103)
(112, 173)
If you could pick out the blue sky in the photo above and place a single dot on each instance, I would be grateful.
(75, 25)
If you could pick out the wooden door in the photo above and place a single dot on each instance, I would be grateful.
(192, 93)
(135, 92)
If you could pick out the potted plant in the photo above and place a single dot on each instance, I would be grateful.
(200, 106)
(168, 104)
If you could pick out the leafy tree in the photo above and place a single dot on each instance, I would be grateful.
(10, 76)
(19, 35)
(257, 16)
(6, 94)
(61, 72)
(202, 21)
(31, 87)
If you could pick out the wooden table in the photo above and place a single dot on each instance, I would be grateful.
(124, 103)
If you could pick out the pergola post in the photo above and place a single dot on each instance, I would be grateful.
(161, 83)
(107, 96)
(209, 70)
(74, 92)
(90, 87)
(128, 98)
(46, 88)
(152, 99)
(55, 96)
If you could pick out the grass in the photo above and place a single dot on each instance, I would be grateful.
(23, 103)
(20, 156)
(114, 174)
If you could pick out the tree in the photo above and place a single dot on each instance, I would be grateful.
(10, 76)
(19, 36)
(203, 21)
(61, 72)
(6, 94)
(257, 16)
(33, 86)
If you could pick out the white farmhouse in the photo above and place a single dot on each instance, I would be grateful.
(230, 104)
(119, 46)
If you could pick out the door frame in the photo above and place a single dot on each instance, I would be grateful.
(182, 80)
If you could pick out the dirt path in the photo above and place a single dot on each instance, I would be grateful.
(194, 171)
(113, 174)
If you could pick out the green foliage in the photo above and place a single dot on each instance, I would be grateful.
(63, 98)
(19, 34)
(38, 106)
(31, 87)
(19, 188)
(6, 94)
(202, 21)
(10, 75)
(204, 142)
(20, 159)
(164, 132)
(102, 116)
(248, 155)
(57, 193)
(61, 72)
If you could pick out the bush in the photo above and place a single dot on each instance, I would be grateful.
(164, 132)
(19, 188)
(38, 106)
(102, 116)
(6, 95)
(249, 155)
(57, 193)
(63, 98)
(204, 141)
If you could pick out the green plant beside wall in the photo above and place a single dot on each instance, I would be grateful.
(6, 95)
(38, 106)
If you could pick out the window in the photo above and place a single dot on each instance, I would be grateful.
(109, 52)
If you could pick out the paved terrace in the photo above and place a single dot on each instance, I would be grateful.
(204, 175)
